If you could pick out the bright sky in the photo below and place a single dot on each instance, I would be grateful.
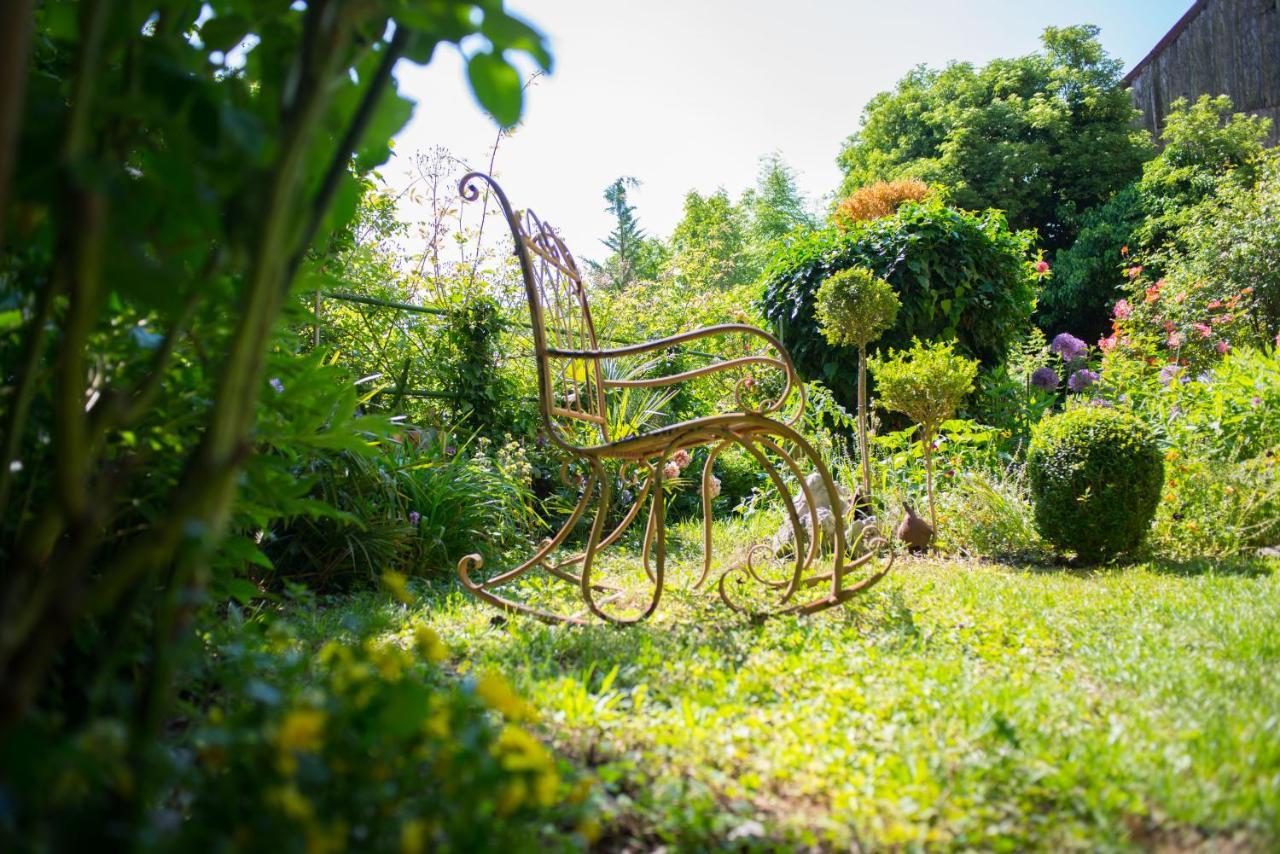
(689, 94)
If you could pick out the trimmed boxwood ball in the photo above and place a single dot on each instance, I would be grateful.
(1096, 475)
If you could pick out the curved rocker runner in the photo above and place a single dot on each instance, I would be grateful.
(572, 390)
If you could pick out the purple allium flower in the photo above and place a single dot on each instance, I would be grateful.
(276, 384)
(1255, 402)
(1069, 347)
(1045, 378)
(1082, 379)
(414, 518)
(1168, 373)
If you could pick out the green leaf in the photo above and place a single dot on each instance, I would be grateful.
(10, 320)
(497, 87)
(224, 32)
(510, 33)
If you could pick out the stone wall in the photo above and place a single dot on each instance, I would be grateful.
(1219, 47)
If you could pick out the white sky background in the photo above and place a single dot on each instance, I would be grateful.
(690, 94)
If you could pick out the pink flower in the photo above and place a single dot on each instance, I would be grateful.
(1180, 297)
(1169, 326)
(1217, 303)
(1042, 267)
(1222, 318)
(1153, 292)
(681, 458)
(1122, 310)
(1134, 272)
(1107, 344)
(1176, 339)
(1204, 329)
(1223, 347)
(713, 487)
(671, 470)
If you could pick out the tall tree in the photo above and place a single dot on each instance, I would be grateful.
(1043, 136)
(627, 240)
(775, 207)
(708, 246)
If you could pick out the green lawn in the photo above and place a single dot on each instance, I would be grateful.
(958, 705)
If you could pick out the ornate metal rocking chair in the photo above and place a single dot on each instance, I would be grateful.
(572, 387)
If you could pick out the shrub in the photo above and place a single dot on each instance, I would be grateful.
(416, 506)
(1232, 246)
(882, 198)
(363, 744)
(961, 276)
(1095, 478)
(927, 384)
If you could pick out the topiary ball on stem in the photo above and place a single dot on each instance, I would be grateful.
(855, 306)
(1096, 476)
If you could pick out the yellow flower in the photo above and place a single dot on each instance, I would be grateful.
(520, 751)
(545, 787)
(398, 585)
(497, 694)
(301, 730)
(413, 836)
(511, 796)
(430, 645)
(333, 839)
(292, 802)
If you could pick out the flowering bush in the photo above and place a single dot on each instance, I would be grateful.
(1095, 476)
(365, 744)
(377, 757)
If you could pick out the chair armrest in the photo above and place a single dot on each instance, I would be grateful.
(781, 360)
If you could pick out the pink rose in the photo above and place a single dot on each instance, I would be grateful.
(681, 458)
(1122, 310)
(1223, 347)
(1204, 329)
(671, 470)
(1042, 267)
(1176, 339)
(713, 487)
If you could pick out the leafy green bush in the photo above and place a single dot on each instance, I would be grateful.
(927, 384)
(415, 506)
(1231, 246)
(361, 744)
(960, 275)
(1095, 477)
(1221, 431)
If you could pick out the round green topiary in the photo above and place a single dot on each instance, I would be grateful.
(1096, 475)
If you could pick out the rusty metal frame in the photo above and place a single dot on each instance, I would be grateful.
(571, 397)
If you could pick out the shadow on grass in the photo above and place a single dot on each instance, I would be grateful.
(1247, 566)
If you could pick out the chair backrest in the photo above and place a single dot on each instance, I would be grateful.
(568, 387)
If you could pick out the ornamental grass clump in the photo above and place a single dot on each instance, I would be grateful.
(927, 384)
(854, 308)
(1096, 475)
